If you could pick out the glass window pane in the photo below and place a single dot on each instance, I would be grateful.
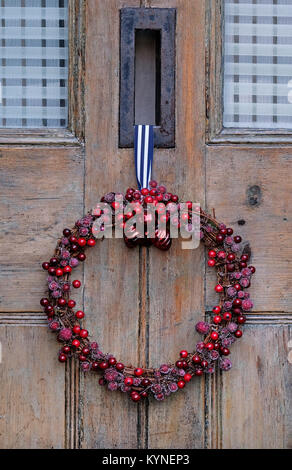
(258, 64)
(33, 63)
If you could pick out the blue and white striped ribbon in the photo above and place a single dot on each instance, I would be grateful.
(144, 148)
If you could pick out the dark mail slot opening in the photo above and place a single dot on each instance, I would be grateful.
(147, 76)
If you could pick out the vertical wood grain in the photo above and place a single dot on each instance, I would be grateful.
(111, 298)
(176, 278)
(256, 393)
(40, 193)
(251, 185)
(32, 394)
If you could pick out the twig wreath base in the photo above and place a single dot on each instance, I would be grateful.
(225, 254)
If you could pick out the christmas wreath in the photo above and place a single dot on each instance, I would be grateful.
(226, 255)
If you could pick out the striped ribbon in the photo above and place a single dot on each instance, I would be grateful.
(144, 148)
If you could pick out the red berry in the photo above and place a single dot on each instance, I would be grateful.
(244, 257)
(216, 345)
(216, 309)
(115, 205)
(211, 263)
(209, 346)
(94, 366)
(187, 377)
(112, 361)
(45, 266)
(66, 232)
(241, 319)
(153, 184)
(199, 372)
(81, 241)
(120, 366)
(62, 302)
(229, 231)
(225, 351)
(148, 200)
(66, 349)
(44, 302)
(179, 364)
(53, 261)
(76, 343)
(219, 288)
(237, 239)
(204, 364)
(217, 319)
(82, 257)
(103, 365)
(128, 381)
(76, 329)
(231, 257)
(196, 359)
(76, 284)
(144, 394)
(85, 351)
(230, 268)
(242, 264)
(184, 354)
(252, 268)
(237, 303)
(73, 239)
(59, 272)
(227, 316)
(80, 314)
(67, 269)
(238, 334)
(237, 286)
(237, 311)
(220, 238)
(62, 357)
(52, 271)
(71, 303)
(174, 198)
(144, 191)
(145, 382)
(82, 358)
(83, 333)
(214, 335)
(135, 396)
(212, 254)
(138, 372)
(91, 242)
(181, 384)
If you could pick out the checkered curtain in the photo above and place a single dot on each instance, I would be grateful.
(33, 63)
(258, 64)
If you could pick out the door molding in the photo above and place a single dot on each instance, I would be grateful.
(216, 133)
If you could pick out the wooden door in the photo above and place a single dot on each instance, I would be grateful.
(144, 303)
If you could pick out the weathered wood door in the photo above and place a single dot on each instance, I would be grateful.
(143, 304)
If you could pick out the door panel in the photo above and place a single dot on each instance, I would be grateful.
(38, 196)
(252, 185)
(32, 395)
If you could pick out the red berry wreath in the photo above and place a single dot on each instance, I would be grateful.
(225, 254)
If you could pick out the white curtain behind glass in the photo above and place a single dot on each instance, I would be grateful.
(33, 63)
(258, 64)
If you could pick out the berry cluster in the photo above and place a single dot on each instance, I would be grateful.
(226, 255)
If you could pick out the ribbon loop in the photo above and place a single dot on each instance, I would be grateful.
(144, 149)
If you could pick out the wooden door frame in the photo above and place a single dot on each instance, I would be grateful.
(73, 135)
(216, 133)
